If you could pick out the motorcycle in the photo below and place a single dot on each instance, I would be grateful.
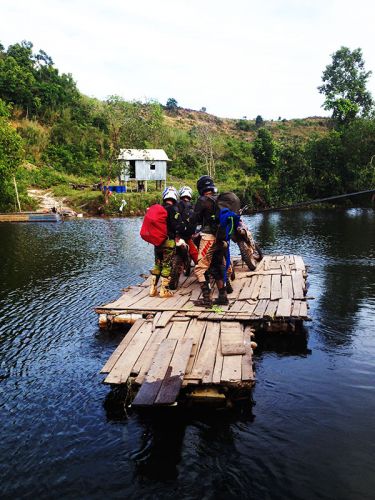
(250, 251)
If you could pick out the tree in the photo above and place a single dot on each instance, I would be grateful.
(171, 104)
(207, 146)
(259, 122)
(265, 154)
(344, 86)
(11, 154)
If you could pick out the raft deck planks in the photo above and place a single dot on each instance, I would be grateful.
(176, 344)
(268, 293)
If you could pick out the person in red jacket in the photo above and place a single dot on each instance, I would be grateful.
(164, 252)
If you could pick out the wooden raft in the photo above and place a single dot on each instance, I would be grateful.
(175, 344)
(275, 291)
(163, 359)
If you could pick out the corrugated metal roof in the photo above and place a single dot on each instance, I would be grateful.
(143, 154)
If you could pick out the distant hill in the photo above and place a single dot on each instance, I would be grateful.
(245, 129)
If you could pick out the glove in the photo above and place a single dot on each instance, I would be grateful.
(180, 242)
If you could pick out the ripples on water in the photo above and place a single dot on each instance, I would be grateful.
(310, 434)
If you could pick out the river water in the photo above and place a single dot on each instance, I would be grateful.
(310, 434)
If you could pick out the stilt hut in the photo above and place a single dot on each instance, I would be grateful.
(139, 166)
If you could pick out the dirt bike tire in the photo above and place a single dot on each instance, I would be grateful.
(177, 267)
(247, 255)
(258, 254)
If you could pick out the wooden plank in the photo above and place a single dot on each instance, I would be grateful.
(196, 293)
(271, 308)
(290, 259)
(150, 303)
(264, 273)
(216, 376)
(265, 290)
(257, 287)
(122, 369)
(253, 285)
(144, 361)
(248, 288)
(296, 308)
(285, 269)
(126, 298)
(192, 314)
(284, 308)
(232, 369)
(232, 340)
(298, 285)
(178, 330)
(247, 372)
(276, 287)
(299, 264)
(190, 280)
(261, 307)
(191, 381)
(122, 346)
(155, 376)
(303, 310)
(274, 264)
(164, 318)
(139, 296)
(195, 330)
(173, 380)
(237, 285)
(236, 306)
(172, 302)
(205, 361)
(286, 287)
(266, 261)
(249, 306)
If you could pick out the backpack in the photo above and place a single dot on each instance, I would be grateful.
(229, 200)
(185, 227)
(154, 226)
(228, 206)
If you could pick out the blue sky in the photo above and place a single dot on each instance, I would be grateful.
(237, 58)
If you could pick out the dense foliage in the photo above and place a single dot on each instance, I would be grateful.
(60, 135)
(344, 86)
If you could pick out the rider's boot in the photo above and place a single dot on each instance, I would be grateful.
(206, 295)
(165, 292)
(153, 286)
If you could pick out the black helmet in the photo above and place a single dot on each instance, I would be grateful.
(205, 183)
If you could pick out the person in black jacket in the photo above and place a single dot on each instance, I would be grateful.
(205, 214)
(186, 226)
(164, 252)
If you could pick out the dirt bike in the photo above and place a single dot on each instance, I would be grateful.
(250, 251)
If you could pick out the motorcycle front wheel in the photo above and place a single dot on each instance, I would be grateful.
(258, 254)
(247, 255)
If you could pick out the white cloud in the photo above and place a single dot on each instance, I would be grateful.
(236, 58)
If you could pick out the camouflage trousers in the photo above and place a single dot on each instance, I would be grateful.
(163, 259)
(206, 251)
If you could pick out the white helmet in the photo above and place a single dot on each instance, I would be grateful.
(186, 191)
(170, 193)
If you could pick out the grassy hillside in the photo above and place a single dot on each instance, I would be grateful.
(186, 119)
(54, 137)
